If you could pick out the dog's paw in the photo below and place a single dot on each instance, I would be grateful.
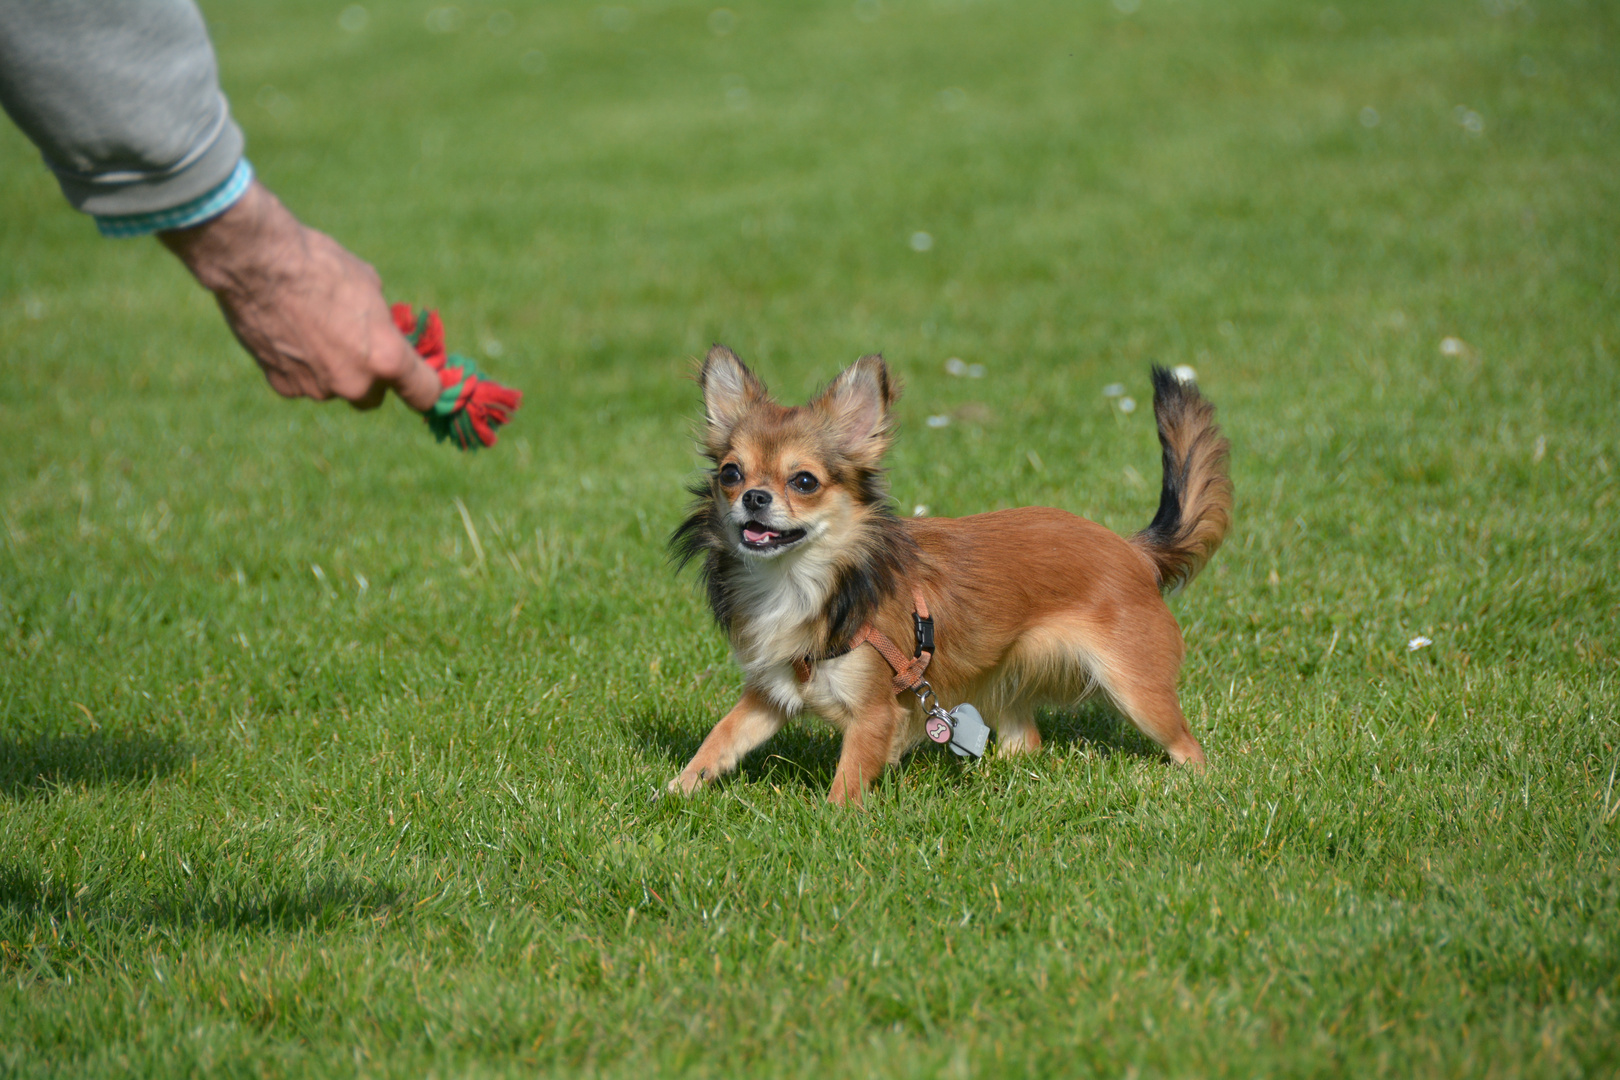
(686, 783)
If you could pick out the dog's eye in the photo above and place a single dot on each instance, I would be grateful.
(804, 483)
(730, 474)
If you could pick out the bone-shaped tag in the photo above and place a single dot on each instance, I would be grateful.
(968, 732)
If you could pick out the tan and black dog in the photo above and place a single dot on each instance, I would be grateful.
(803, 556)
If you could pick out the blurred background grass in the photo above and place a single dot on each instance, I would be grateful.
(301, 769)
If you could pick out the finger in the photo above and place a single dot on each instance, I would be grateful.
(295, 381)
(419, 386)
(372, 398)
(281, 382)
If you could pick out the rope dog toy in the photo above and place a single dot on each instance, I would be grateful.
(470, 407)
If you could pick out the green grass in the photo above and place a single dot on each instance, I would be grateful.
(392, 816)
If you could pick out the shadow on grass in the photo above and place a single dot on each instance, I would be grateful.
(322, 902)
(25, 894)
(804, 752)
(39, 766)
(334, 899)
(1099, 727)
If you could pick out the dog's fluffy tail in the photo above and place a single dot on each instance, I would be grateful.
(1195, 504)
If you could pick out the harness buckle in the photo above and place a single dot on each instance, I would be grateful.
(925, 633)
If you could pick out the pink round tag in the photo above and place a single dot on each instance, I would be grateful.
(937, 729)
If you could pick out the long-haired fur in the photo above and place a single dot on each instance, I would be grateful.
(876, 561)
(801, 551)
(1195, 501)
(872, 574)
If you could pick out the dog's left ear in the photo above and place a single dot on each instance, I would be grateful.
(857, 405)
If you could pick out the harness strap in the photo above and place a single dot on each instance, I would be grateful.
(908, 670)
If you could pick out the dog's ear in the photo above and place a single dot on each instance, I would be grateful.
(729, 390)
(857, 406)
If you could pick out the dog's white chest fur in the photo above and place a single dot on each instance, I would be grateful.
(831, 692)
(778, 617)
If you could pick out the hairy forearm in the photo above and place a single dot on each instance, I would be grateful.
(250, 246)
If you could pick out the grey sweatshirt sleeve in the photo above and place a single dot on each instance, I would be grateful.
(122, 98)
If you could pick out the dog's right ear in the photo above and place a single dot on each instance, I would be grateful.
(729, 390)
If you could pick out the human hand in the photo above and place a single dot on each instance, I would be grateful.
(311, 313)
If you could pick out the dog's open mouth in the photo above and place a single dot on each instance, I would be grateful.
(758, 537)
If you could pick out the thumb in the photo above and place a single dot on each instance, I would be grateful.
(406, 373)
(396, 366)
(419, 386)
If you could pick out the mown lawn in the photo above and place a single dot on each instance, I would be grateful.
(325, 750)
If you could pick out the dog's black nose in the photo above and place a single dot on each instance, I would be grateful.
(756, 500)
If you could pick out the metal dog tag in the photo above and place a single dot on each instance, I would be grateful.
(968, 732)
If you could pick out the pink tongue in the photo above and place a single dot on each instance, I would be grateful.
(757, 536)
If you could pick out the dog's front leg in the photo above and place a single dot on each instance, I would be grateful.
(869, 741)
(750, 722)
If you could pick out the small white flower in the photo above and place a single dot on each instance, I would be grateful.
(920, 510)
(1184, 373)
(444, 20)
(1450, 346)
(1127, 405)
(1114, 389)
(615, 19)
(1369, 117)
(921, 241)
(955, 366)
(722, 21)
(939, 421)
(354, 18)
(1419, 642)
(273, 101)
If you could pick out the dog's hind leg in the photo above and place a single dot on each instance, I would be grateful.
(1156, 712)
(1136, 663)
(1016, 732)
(1144, 689)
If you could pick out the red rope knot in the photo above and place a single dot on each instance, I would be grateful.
(470, 406)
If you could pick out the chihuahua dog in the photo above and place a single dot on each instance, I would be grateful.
(803, 557)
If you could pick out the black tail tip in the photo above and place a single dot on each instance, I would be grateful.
(1167, 381)
(1170, 388)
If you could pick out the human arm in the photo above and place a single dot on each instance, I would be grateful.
(122, 98)
(311, 313)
